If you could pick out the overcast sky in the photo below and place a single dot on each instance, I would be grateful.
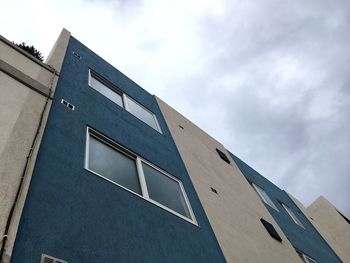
(269, 79)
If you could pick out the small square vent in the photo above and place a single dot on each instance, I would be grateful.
(67, 104)
(76, 55)
(214, 190)
(49, 259)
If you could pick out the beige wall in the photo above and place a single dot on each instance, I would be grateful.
(332, 226)
(16, 58)
(235, 211)
(26, 88)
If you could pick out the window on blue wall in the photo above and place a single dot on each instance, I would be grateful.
(114, 165)
(165, 190)
(118, 165)
(105, 88)
(305, 258)
(114, 94)
(264, 197)
(292, 215)
(141, 112)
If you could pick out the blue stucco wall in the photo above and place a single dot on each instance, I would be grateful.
(307, 239)
(74, 215)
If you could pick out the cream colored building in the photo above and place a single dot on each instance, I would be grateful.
(333, 226)
(233, 208)
(27, 87)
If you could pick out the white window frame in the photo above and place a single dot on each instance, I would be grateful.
(269, 202)
(124, 97)
(309, 259)
(93, 74)
(292, 215)
(141, 177)
(306, 258)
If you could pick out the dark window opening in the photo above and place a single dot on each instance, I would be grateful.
(272, 231)
(223, 156)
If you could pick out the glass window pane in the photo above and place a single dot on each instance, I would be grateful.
(106, 91)
(264, 196)
(141, 113)
(165, 190)
(113, 165)
(310, 260)
(292, 215)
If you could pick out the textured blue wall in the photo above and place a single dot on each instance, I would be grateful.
(74, 215)
(307, 239)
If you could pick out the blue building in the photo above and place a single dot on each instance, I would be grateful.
(304, 237)
(78, 209)
(120, 176)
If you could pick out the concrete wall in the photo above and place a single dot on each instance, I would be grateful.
(235, 211)
(332, 226)
(26, 88)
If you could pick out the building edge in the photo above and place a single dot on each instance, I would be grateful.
(53, 65)
(332, 224)
(234, 215)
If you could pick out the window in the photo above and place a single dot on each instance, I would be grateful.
(263, 195)
(108, 90)
(223, 156)
(122, 167)
(271, 230)
(165, 190)
(49, 259)
(105, 88)
(305, 258)
(292, 215)
(113, 165)
(141, 112)
(308, 259)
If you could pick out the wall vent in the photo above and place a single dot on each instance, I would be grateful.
(49, 259)
(214, 190)
(67, 104)
(76, 54)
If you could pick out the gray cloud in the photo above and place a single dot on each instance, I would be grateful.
(275, 91)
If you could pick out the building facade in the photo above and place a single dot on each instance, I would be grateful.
(120, 176)
(301, 233)
(333, 225)
(233, 208)
(79, 211)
